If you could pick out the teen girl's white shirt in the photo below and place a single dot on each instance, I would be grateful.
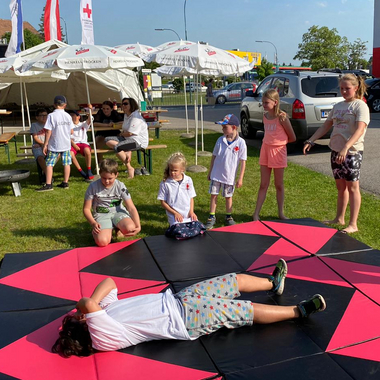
(227, 159)
(127, 322)
(60, 124)
(345, 115)
(79, 134)
(178, 196)
(135, 124)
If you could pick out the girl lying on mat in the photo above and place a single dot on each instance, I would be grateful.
(104, 323)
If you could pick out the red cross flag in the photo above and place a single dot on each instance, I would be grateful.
(87, 24)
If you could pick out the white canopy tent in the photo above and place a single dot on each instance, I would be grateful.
(116, 83)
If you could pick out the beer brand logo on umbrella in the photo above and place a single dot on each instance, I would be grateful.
(182, 49)
(49, 54)
(113, 51)
(210, 52)
(81, 51)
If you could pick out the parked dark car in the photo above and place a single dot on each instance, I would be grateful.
(373, 94)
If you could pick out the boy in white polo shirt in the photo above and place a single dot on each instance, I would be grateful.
(230, 150)
(58, 127)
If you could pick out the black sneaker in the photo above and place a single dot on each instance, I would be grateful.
(313, 305)
(45, 188)
(144, 171)
(137, 171)
(63, 185)
(278, 277)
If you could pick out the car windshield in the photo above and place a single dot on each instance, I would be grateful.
(320, 87)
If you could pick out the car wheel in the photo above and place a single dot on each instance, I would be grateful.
(376, 105)
(221, 99)
(246, 130)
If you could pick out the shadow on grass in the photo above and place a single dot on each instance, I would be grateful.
(77, 235)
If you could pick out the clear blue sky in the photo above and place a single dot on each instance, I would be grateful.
(228, 24)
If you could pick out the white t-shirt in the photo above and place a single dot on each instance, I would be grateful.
(79, 135)
(177, 195)
(135, 124)
(60, 124)
(127, 322)
(227, 159)
(39, 130)
(345, 115)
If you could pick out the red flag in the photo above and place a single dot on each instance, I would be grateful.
(52, 24)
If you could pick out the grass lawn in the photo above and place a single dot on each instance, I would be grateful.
(54, 220)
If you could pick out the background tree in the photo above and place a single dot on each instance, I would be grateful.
(322, 48)
(41, 29)
(356, 53)
(265, 69)
(30, 39)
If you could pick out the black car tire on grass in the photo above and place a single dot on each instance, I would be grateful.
(221, 99)
(247, 131)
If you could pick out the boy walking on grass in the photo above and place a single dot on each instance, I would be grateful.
(58, 127)
(230, 150)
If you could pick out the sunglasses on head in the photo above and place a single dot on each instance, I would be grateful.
(125, 104)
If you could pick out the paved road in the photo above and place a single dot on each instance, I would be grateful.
(318, 159)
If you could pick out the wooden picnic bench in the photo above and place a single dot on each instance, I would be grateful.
(147, 152)
(4, 141)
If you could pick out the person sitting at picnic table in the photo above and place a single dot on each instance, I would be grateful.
(106, 117)
(79, 144)
(133, 136)
(38, 133)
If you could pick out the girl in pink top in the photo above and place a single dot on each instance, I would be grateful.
(278, 132)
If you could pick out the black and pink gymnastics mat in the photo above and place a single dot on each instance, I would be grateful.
(342, 343)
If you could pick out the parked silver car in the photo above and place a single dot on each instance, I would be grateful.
(307, 98)
(233, 92)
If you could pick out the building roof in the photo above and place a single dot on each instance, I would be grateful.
(6, 26)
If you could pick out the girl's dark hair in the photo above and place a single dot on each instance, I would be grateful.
(108, 103)
(74, 339)
(132, 103)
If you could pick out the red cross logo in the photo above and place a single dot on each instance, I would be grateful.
(87, 10)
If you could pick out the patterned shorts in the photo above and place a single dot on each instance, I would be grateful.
(349, 169)
(181, 231)
(216, 187)
(209, 305)
(52, 158)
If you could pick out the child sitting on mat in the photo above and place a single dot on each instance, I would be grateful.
(104, 323)
(177, 194)
(108, 205)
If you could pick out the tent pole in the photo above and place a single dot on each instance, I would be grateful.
(187, 116)
(22, 109)
(92, 124)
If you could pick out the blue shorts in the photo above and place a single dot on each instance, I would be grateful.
(37, 152)
(52, 158)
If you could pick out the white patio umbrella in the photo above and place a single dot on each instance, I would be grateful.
(84, 58)
(170, 44)
(200, 57)
(136, 49)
